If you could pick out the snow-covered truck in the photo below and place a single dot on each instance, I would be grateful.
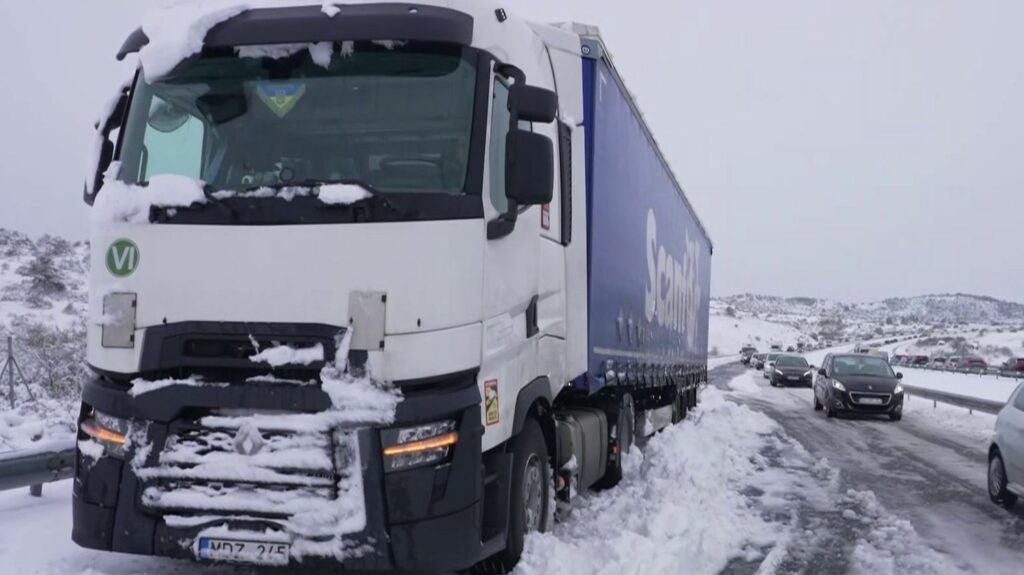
(373, 285)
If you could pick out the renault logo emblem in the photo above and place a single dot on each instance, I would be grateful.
(248, 440)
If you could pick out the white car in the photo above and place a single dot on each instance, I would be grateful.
(1006, 454)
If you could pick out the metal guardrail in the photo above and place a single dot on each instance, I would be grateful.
(51, 461)
(967, 402)
(989, 371)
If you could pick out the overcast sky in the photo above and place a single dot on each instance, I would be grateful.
(858, 149)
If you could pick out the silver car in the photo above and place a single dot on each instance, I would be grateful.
(1006, 455)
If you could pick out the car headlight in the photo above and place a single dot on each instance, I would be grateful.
(777, 372)
(420, 445)
(898, 390)
(838, 385)
(808, 373)
(111, 432)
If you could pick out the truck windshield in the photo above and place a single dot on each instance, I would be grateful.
(395, 116)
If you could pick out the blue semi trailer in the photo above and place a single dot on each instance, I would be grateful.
(373, 284)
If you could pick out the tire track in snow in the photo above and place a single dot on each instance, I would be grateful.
(909, 497)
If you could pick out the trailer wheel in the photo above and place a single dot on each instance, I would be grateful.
(529, 497)
(624, 436)
(681, 405)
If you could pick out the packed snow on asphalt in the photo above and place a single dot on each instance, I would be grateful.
(753, 481)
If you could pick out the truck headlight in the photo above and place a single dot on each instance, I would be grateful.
(420, 445)
(108, 430)
(838, 386)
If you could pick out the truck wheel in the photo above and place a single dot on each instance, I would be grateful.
(529, 497)
(624, 437)
(680, 406)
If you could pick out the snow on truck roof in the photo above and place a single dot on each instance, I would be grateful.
(171, 34)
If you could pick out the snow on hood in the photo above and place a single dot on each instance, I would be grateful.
(126, 203)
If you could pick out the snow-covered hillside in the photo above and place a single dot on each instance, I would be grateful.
(42, 280)
(994, 344)
(927, 309)
(42, 308)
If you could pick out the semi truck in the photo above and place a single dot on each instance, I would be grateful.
(374, 286)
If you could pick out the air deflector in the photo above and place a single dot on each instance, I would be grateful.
(359, 22)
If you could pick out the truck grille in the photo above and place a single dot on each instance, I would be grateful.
(235, 471)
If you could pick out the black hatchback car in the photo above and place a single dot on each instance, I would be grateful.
(792, 370)
(855, 383)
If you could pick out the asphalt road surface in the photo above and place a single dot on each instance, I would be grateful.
(909, 495)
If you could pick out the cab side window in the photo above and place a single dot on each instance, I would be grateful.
(500, 119)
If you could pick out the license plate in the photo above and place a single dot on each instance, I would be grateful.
(871, 400)
(235, 551)
(793, 378)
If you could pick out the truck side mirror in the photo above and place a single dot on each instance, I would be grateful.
(530, 170)
(534, 104)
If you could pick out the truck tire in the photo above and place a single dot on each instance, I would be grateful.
(625, 434)
(680, 406)
(529, 497)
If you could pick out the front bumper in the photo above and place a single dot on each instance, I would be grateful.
(792, 380)
(859, 402)
(421, 519)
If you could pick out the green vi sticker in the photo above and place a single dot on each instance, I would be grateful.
(122, 258)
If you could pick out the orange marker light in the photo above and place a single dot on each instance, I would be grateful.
(95, 431)
(423, 444)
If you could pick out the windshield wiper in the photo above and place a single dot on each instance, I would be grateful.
(376, 195)
(211, 197)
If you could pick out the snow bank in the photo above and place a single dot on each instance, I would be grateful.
(18, 431)
(977, 426)
(35, 425)
(890, 545)
(980, 386)
(286, 355)
(343, 194)
(745, 383)
(682, 511)
(126, 203)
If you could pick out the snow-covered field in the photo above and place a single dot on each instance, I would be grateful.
(729, 334)
(981, 386)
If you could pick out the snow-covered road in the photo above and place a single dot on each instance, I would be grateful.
(754, 481)
(904, 497)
